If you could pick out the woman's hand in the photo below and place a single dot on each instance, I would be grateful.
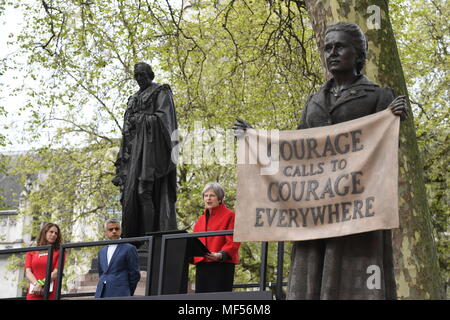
(214, 256)
(398, 107)
(240, 126)
(54, 274)
(38, 289)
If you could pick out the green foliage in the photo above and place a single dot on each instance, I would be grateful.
(256, 60)
(422, 33)
(3, 140)
(69, 185)
(16, 261)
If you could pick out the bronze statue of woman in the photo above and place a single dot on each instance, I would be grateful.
(342, 267)
(358, 266)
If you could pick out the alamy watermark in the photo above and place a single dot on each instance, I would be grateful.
(374, 279)
(201, 146)
(374, 20)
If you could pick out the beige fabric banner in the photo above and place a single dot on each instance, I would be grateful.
(318, 183)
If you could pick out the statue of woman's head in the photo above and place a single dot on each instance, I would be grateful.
(357, 40)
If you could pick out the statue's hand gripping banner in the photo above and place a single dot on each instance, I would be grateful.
(318, 183)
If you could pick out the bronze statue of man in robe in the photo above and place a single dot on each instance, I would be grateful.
(145, 170)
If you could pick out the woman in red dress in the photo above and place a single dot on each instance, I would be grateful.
(36, 263)
(215, 271)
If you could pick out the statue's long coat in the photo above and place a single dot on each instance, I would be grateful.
(358, 266)
(144, 167)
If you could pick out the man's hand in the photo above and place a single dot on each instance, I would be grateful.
(117, 181)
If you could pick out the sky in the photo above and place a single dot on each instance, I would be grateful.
(12, 125)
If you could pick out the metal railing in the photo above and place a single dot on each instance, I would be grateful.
(262, 272)
(262, 285)
(48, 270)
(63, 247)
(61, 258)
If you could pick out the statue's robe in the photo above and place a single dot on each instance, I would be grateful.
(144, 167)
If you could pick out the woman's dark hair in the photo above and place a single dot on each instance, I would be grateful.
(147, 69)
(359, 41)
(42, 240)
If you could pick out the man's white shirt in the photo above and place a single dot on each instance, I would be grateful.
(111, 249)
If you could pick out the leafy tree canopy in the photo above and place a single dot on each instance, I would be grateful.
(257, 60)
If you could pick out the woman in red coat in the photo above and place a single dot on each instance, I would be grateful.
(36, 263)
(215, 271)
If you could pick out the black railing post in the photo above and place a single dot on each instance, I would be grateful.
(263, 269)
(149, 266)
(161, 265)
(62, 252)
(279, 287)
(48, 273)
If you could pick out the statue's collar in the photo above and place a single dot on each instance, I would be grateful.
(361, 80)
(357, 89)
(149, 90)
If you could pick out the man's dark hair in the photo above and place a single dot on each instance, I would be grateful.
(147, 69)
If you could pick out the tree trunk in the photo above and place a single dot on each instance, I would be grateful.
(417, 272)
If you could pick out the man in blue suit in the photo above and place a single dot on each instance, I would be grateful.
(118, 265)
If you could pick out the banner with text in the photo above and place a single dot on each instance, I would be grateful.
(320, 182)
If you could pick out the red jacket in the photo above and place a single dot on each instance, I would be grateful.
(221, 218)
